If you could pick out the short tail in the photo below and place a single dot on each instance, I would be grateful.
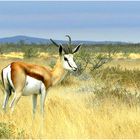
(5, 82)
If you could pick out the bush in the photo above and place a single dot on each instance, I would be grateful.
(5, 130)
(88, 59)
(30, 52)
(8, 130)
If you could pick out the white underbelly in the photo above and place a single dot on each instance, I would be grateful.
(33, 86)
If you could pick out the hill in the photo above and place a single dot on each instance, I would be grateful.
(29, 40)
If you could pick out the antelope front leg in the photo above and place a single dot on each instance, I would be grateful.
(34, 99)
(42, 102)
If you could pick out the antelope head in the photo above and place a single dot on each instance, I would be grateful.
(66, 54)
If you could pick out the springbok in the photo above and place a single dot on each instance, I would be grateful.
(29, 79)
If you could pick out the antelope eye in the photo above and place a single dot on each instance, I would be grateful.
(65, 59)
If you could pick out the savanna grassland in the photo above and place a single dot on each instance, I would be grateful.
(101, 100)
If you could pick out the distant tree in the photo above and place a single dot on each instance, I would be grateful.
(21, 43)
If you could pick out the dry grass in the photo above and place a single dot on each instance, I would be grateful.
(130, 64)
(73, 111)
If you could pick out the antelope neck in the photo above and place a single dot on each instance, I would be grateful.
(58, 72)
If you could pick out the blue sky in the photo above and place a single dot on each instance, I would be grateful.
(96, 21)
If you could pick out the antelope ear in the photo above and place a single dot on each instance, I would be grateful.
(76, 48)
(60, 50)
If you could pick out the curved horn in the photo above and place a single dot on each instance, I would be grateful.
(69, 39)
(54, 43)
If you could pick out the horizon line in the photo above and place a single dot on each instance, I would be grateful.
(30, 36)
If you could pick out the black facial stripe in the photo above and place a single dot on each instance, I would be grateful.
(68, 63)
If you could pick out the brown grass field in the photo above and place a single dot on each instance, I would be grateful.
(77, 108)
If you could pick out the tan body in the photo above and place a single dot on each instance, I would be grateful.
(19, 71)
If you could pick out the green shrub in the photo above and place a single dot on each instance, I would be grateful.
(5, 130)
(30, 52)
(8, 130)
